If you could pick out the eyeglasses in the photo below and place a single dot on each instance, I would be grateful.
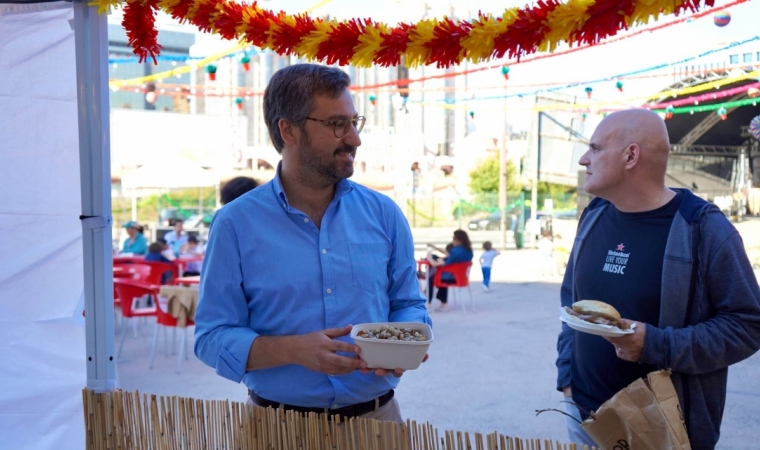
(340, 126)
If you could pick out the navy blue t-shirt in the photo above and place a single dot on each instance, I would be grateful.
(620, 264)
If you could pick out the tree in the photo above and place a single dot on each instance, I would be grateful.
(485, 177)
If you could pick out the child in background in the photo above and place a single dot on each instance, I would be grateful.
(561, 254)
(192, 248)
(167, 251)
(546, 252)
(486, 262)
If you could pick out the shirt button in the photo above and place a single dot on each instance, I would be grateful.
(329, 291)
(305, 219)
(324, 251)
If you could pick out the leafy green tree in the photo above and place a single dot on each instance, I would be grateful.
(485, 177)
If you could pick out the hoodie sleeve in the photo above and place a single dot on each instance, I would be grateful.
(565, 339)
(731, 334)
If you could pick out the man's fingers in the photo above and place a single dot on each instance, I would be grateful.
(340, 346)
(425, 358)
(345, 362)
(338, 332)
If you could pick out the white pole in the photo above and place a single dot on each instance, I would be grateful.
(134, 204)
(91, 41)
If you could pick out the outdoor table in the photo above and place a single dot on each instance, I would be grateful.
(188, 281)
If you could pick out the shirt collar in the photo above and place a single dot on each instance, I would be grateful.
(342, 188)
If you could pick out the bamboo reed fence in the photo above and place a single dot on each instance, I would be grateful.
(130, 420)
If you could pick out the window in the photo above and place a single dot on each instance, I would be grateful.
(747, 57)
(733, 59)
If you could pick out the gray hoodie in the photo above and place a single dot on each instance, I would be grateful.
(709, 311)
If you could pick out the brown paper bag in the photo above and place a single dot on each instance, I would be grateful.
(643, 416)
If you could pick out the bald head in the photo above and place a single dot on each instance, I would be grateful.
(641, 127)
(628, 152)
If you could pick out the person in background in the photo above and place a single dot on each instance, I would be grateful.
(136, 243)
(561, 254)
(546, 254)
(486, 262)
(167, 252)
(236, 187)
(155, 251)
(192, 248)
(176, 238)
(460, 252)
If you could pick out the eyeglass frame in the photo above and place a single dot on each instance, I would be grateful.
(334, 123)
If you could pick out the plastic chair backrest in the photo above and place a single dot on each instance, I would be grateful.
(157, 270)
(135, 272)
(129, 290)
(460, 270)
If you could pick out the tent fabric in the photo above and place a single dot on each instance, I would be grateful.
(175, 173)
(41, 270)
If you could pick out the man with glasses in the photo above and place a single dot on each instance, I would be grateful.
(672, 265)
(292, 264)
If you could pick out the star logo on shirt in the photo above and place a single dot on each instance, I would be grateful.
(620, 247)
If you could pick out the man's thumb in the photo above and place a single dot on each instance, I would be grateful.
(338, 332)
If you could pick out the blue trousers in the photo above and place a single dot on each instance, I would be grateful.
(486, 276)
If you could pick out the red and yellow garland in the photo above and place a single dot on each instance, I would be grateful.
(363, 42)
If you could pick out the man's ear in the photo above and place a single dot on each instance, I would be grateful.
(632, 155)
(289, 131)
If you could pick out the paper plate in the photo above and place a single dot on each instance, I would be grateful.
(592, 328)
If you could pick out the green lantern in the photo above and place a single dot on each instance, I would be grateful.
(505, 72)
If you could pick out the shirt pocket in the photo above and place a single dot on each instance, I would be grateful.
(369, 265)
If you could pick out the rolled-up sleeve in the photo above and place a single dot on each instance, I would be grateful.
(407, 303)
(223, 336)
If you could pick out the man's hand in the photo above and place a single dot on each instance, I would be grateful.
(396, 372)
(629, 347)
(317, 351)
(567, 392)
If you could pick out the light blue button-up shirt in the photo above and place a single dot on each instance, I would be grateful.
(269, 271)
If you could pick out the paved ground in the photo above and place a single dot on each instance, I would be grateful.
(489, 370)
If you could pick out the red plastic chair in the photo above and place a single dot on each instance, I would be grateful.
(461, 273)
(128, 291)
(157, 270)
(166, 320)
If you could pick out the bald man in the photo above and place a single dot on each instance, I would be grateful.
(669, 262)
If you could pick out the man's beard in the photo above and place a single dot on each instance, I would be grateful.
(324, 170)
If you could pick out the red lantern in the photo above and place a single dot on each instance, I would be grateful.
(239, 103)
(588, 90)
(246, 62)
(211, 71)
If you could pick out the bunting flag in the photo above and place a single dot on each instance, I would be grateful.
(364, 42)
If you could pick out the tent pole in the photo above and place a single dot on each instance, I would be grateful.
(91, 42)
(134, 204)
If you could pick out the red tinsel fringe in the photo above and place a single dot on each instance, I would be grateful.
(139, 22)
(339, 48)
(257, 28)
(227, 18)
(394, 43)
(526, 33)
(287, 37)
(204, 16)
(605, 19)
(445, 46)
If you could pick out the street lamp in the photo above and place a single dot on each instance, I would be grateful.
(503, 167)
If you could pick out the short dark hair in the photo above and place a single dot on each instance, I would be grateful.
(487, 245)
(192, 238)
(290, 95)
(156, 247)
(236, 187)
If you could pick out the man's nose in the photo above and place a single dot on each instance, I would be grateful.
(352, 137)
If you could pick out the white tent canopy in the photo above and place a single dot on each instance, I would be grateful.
(168, 174)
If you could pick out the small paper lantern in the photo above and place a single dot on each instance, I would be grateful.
(472, 114)
(588, 90)
(721, 19)
(583, 117)
(505, 72)
(619, 86)
(246, 62)
(722, 113)
(753, 92)
(239, 103)
(211, 71)
(151, 97)
(669, 111)
(373, 100)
